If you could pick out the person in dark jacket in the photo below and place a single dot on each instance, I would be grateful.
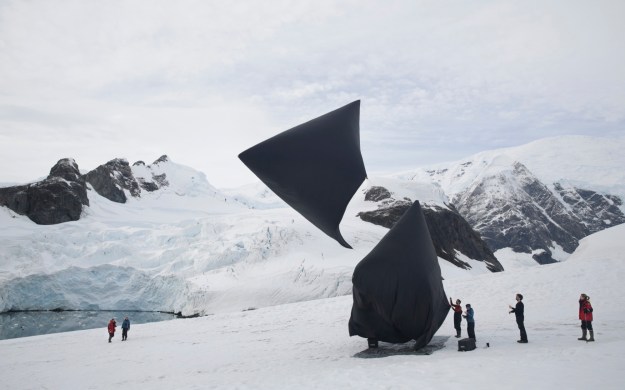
(470, 321)
(111, 328)
(457, 315)
(519, 312)
(125, 328)
(585, 315)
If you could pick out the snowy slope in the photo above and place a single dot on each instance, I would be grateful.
(583, 161)
(306, 345)
(209, 251)
(539, 198)
(185, 246)
(208, 254)
(194, 248)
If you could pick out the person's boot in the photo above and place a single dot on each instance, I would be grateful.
(583, 338)
(592, 336)
(457, 334)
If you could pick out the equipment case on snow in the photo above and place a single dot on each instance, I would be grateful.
(466, 345)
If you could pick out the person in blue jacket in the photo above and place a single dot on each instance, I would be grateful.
(125, 328)
(470, 321)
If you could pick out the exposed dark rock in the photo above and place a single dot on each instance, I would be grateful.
(180, 315)
(153, 182)
(450, 232)
(59, 198)
(111, 179)
(376, 194)
(147, 185)
(161, 159)
(526, 218)
(67, 169)
(544, 257)
(386, 215)
(596, 211)
(161, 180)
(516, 210)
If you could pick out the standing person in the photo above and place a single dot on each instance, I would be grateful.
(519, 312)
(457, 315)
(470, 321)
(125, 328)
(585, 315)
(111, 328)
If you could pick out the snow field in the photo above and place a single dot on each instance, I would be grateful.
(306, 345)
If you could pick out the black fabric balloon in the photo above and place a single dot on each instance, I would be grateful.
(398, 289)
(315, 167)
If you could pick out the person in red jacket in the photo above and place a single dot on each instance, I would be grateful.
(457, 315)
(111, 328)
(585, 315)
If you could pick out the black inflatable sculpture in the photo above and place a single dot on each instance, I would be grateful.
(315, 167)
(398, 289)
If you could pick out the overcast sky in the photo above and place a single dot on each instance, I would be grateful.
(202, 81)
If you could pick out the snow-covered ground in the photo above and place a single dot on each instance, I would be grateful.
(194, 248)
(306, 345)
(188, 247)
(171, 252)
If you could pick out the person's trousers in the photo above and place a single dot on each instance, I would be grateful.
(519, 322)
(457, 322)
(587, 325)
(471, 330)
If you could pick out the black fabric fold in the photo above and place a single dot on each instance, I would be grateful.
(397, 288)
(315, 167)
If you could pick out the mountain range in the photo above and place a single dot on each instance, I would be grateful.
(161, 237)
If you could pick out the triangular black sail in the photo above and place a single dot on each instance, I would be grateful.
(398, 289)
(315, 167)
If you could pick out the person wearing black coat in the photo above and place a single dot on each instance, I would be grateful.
(519, 312)
(125, 328)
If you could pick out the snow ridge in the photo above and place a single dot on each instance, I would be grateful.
(537, 197)
(199, 249)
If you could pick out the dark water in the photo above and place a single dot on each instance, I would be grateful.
(32, 323)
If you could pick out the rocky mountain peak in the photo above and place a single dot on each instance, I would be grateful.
(450, 232)
(66, 168)
(161, 159)
(377, 193)
(111, 179)
(595, 210)
(59, 198)
(513, 208)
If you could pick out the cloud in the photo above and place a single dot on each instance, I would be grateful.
(205, 80)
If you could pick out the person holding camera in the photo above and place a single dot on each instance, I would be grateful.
(470, 321)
